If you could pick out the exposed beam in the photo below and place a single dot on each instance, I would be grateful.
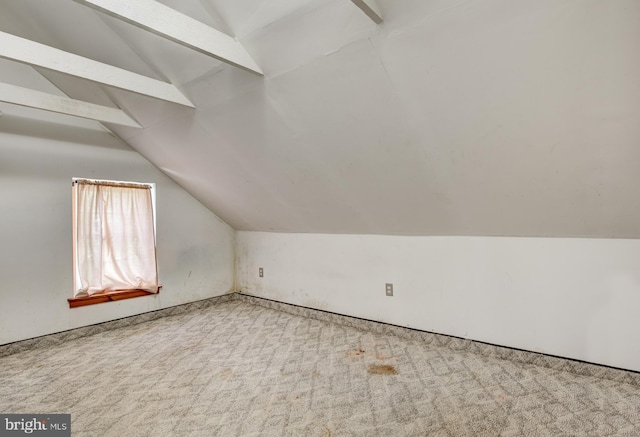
(175, 26)
(63, 105)
(39, 55)
(369, 7)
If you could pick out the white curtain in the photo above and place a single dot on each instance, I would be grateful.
(114, 239)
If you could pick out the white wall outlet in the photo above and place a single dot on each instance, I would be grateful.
(389, 289)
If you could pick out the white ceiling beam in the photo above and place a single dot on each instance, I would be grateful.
(177, 27)
(63, 105)
(370, 7)
(39, 55)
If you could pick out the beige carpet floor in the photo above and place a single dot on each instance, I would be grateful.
(238, 369)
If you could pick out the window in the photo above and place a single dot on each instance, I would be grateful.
(114, 248)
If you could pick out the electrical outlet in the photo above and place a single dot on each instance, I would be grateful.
(261, 272)
(389, 289)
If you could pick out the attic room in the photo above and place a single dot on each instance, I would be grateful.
(370, 217)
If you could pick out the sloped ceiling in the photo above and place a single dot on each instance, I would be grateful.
(452, 117)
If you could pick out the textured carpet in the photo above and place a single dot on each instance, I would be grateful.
(238, 369)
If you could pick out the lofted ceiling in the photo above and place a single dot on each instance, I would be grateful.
(451, 117)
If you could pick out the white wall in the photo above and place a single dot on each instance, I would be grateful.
(576, 298)
(38, 158)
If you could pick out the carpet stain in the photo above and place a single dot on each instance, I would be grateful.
(382, 369)
(355, 353)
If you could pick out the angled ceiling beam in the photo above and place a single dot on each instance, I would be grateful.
(370, 7)
(182, 29)
(63, 105)
(39, 55)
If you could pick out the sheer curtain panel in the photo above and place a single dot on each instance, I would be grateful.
(114, 238)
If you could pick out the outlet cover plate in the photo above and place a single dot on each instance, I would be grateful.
(389, 289)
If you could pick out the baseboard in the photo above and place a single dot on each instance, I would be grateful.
(438, 340)
(85, 331)
(455, 343)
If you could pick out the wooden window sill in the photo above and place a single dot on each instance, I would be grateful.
(109, 296)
